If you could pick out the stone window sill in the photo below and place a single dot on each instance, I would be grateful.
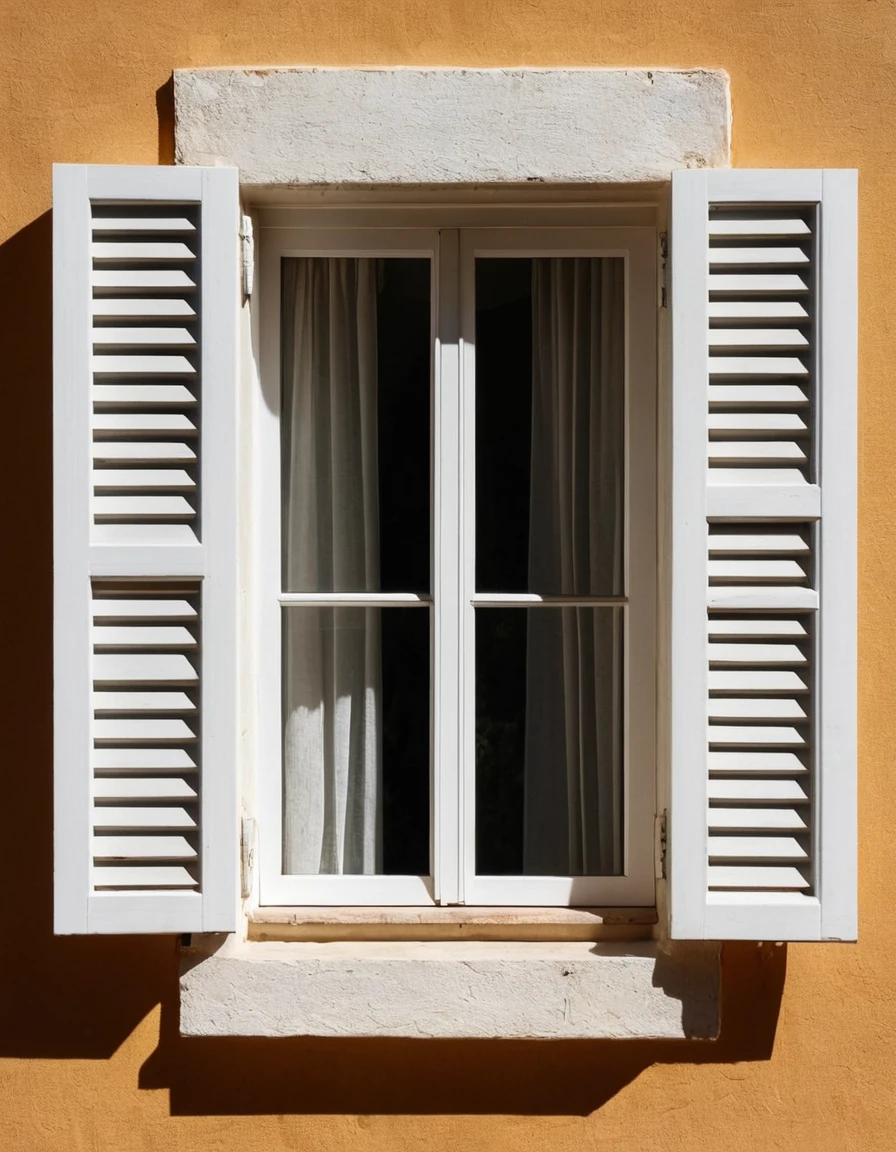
(450, 990)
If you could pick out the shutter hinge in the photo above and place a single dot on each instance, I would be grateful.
(247, 856)
(661, 843)
(247, 252)
(663, 245)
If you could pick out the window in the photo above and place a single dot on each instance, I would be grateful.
(459, 434)
(156, 585)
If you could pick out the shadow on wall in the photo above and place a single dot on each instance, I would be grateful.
(65, 998)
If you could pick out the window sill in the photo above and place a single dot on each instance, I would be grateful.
(536, 990)
(318, 924)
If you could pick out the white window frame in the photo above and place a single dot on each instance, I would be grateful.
(452, 251)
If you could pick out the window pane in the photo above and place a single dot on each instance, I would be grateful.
(356, 741)
(549, 745)
(355, 425)
(550, 425)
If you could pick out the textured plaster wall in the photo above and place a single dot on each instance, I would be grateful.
(89, 1054)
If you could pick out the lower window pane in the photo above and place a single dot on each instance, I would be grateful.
(549, 741)
(356, 741)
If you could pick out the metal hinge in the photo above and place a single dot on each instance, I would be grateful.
(247, 855)
(247, 252)
(663, 244)
(661, 843)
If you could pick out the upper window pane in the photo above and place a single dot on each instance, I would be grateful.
(550, 425)
(355, 424)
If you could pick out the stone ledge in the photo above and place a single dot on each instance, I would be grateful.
(344, 126)
(572, 990)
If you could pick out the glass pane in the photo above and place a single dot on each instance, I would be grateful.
(355, 424)
(550, 425)
(356, 741)
(549, 751)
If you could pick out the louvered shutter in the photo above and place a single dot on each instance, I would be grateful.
(145, 361)
(762, 822)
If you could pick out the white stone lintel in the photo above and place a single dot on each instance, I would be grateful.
(573, 990)
(301, 127)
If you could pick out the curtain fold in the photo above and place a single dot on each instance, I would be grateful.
(332, 803)
(574, 707)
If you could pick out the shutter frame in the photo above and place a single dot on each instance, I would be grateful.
(140, 559)
(823, 502)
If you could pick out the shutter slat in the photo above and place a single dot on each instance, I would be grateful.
(141, 878)
(148, 731)
(768, 310)
(159, 759)
(760, 735)
(142, 636)
(144, 423)
(764, 451)
(132, 508)
(756, 396)
(125, 668)
(146, 479)
(142, 452)
(169, 279)
(756, 819)
(165, 609)
(143, 337)
(756, 848)
(757, 791)
(746, 879)
(143, 788)
(753, 338)
(142, 366)
(755, 283)
(744, 680)
(756, 226)
(750, 708)
(140, 395)
(157, 308)
(143, 848)
(768, 654)
(102, 223)
(140, 252)
(159, 816)
(147, 702)
(757, 761)
(750, 255)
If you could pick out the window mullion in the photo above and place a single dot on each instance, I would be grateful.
(447, 586)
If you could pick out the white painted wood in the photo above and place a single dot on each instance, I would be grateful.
(142, 224)
(764, 681)
(164, 608)
(142, 366)
(157, 816)
(144, 760)
(756, 255)
(143, 394)
(120, 714)
(161, 478)
(142, 452)
(758, 819)
(162, 308)
(756, 282)
(140, 251)
(732, 876)
(135, 507)
(756, 761)
(143, 788)
(157, 878)
(757, 310)
(757, 791)
(142, 731)
(754, 228)
(142, 848)
(771, 459)
(157, 280)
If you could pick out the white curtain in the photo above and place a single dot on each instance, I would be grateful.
(331, 656)
(573, 751)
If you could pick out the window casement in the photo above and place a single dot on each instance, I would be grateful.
(753, 658)
(519, 619)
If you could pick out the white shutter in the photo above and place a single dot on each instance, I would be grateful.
(145, 361)
(762, 822)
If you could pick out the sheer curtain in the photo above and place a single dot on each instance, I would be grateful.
(573, 750)
(331, 656)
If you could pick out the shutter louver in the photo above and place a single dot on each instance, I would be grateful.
(145, 307)
(763, 765)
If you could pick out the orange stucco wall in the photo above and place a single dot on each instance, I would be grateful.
(90, 1058)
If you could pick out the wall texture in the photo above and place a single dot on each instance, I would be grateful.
(90, 1058)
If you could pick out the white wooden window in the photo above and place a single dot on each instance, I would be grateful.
(755, 646)
(452, 599)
